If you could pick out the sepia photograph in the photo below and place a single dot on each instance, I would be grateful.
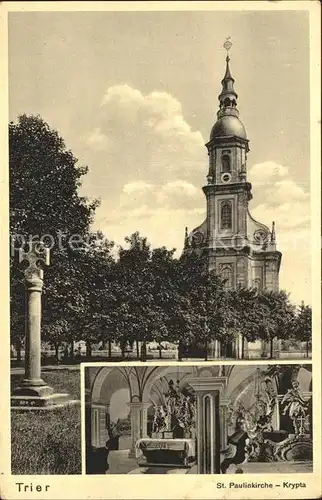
(198, 420)
(160, 180)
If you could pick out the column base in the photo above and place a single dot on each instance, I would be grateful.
(26, 402)
(33, 388)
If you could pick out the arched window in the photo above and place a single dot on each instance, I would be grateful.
(225, 216)
(227, 276)
(225, 163)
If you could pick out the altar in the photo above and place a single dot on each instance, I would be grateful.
(166, 452)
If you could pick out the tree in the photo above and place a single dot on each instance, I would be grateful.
(243, 302)
(302, 326)
(45, 203)
(275, 316)
(136, 289)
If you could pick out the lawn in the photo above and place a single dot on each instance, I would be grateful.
(48, 442)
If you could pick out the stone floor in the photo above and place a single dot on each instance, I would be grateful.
(120, 463)
(275, 468)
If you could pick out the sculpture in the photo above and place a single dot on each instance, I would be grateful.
(177, 415)
(296, 407)
(257, 419)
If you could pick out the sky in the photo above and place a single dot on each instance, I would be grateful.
(135, 95)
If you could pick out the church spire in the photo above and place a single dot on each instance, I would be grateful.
(273, 234)
(186, 238)
(227, 97)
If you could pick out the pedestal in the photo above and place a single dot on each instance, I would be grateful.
(139, 419)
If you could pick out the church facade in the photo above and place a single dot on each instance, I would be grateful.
(240, 249)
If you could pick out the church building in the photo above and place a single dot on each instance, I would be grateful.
(240, 249)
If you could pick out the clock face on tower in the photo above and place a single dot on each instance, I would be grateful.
(226, 177)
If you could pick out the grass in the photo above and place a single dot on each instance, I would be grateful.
(48, 442)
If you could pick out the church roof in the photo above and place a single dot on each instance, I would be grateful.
(228, 126)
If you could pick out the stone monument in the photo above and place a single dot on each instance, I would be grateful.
(33, 392)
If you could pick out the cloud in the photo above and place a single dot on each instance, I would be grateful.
(266, 172)
(137, 186)
(145, 137)
(278, 197)
(149, 166)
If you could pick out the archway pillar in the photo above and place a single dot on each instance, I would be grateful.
(139, 423)
(224, 403)
(98, 421)
(208, 390)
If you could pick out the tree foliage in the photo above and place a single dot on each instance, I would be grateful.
(130, 296)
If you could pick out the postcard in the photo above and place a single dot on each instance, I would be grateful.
(160, 182)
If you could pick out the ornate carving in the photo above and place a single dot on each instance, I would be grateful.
(179, 411)
(257, 419)
(297, 408)
(36, 255)
(260, 236)
(197, 238)
(294, 448)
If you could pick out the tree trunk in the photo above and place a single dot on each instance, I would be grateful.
(243, 347)
(137, 349)
(180, 351)
(88, 348)
(271, 349)
(18, 349)
(160, 352)
(123, 350)
(109, 349)
(143, 351)
(206, 350)
(57, 353)
(307, 348)
(72, 349)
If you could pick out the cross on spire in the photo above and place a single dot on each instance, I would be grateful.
(227, 45)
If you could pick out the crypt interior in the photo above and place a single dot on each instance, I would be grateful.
(195, 419)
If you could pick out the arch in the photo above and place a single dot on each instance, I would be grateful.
(109, 379)
(226, 215)
(225, 163)
(98, 382)
(226, 273)
(162, 371)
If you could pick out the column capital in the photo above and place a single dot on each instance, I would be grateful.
(225, 402)
(34, 283)
(202, 384)
(138, 404)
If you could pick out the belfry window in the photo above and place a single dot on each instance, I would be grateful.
(225, 216)
(227, 277)
(225, 163)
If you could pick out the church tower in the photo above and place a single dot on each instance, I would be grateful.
(240, 249)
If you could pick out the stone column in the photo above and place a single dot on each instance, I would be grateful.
(33, 385)
(33, 391)
(223, 423)
(208, 391)
(139, 420)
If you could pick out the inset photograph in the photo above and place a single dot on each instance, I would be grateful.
(191, 419)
